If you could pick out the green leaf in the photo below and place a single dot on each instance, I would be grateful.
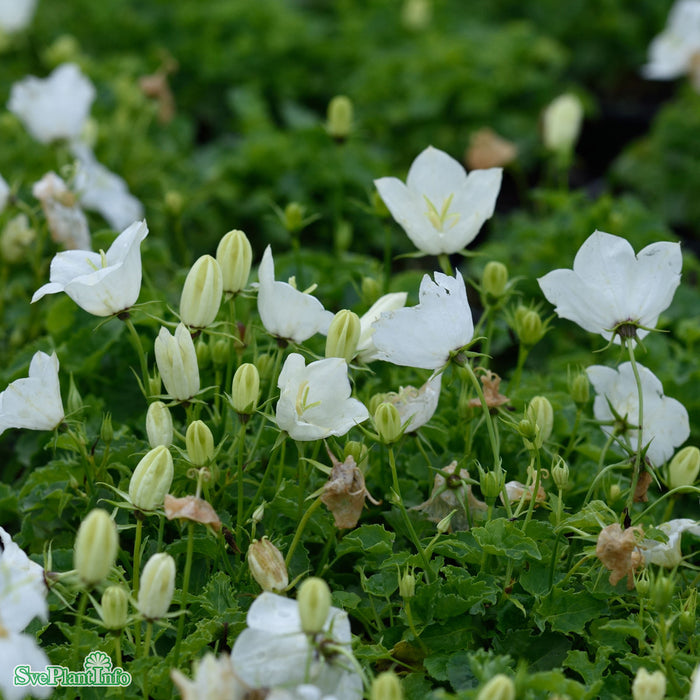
(367, 539)
(567, 610)
(590, 671)
(501, 537)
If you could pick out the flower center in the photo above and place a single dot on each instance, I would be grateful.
(442, 219)
(303, 397)
(103, 261)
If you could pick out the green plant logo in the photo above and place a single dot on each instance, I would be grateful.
(97, 672)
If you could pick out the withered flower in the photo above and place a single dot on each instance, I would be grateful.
(491, 383)
(345, 492)
(191, 508)
(489, 150)
(516, 490)
(618, 551)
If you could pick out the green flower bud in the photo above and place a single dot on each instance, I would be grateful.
(579, 388)
(114, 608)
(16, 238)
(642, 584)
(220, 352)
(528, 429)
(151, 479)
(529, 327)
(649, 686)
(500, 687)
(494, 281)
(75, 401)
(203, 353)
(235, 257)
(371, 290)
(265, 364)
(387, 421)
(159, 425)
(541, 413)
(342, 237)
(154, 385)
(386, 686)
(258, 514)
(343, 335)
(662, 591)
(199, 443)
(267, 566)
(96, 547)
(614, 492)
(688, 612)
(684, 467)
(340, 113)
(64, 49)
(444, 525)
(157, 586)
(174, 202)
(201, 293)
(560, 473)
(561, 123)
(358, 452)
(106, 429)
(314, 599)
(293, 217)
(491, 483)
(375, 400)
(407, 584)
(245, 389)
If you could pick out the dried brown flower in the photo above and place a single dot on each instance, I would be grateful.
(191, 508)
(643, 483)
(619, 552)
(491, 383)
(345, 492)
(489, 150)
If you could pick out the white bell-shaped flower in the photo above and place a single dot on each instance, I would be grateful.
(441, 208)
(315, 400)
(33, 402)
(55, 107)
(16, 15)
(612, 288)
(665, 421)
(101, 283)
(285, 311)
(426, 335)
(274, 652)
(668, 554)
(416, 406)
(176, 358)
(389, 302)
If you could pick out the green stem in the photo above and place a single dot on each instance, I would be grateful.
(640, 421)
(445, 264)
(239, 479)
(300, 530)
(533, 498)
(82, 607)
(600, 470)
(136, 342)
(147, 643)
(185, 591)
(137, 570)
(411, 625)
(523, 352)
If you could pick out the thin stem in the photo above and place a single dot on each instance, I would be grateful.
(445, 264)
(523, 352)
(536, 488)
(239, 478)
(147, 642)
(185, 590)
(572, 439)
(300, 529)
(600, 470)
(640, 421)
(137, 570)
(82, 606)
(136, 342)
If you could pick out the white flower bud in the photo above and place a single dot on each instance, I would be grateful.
(114, 608)
(561, 123)
(235, 257)
(151, 479)
(95, 547)
(157, 586)
(201, 293)
(245, 389)
(500, 687)
(199, 442)
(267, 565)
(159, 425)
(387, 421)
(649, 686)
(386, 686)
(314, 599)
(343, 335)
(684, 467)
(177, 363)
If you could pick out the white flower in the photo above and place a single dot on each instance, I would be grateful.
(176, 358)
(665, 420)
(22, 598)
(274, 652)
(66, 220)
(33, 402)
(55, 107)
(214, 679)
(101, 283)
(15, 15)
(101, 190)
(695, 687)
(425, 335)
(4, 191)
(389, 302)
(315, 400)
(416, 406)
(440, 207)
(610, 286)
(668, 554)
(672, 52)
(285, 311)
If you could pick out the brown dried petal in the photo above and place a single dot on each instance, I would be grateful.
(345, 492)
(191, 508)
(618, 551)
(643, 483)
(489, 150)
(491, 383)
(516, 489)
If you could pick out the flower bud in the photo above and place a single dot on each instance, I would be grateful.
(95, 547)
(491, 483)
(529, 326)
(220, 352)
(245, 389)
(541, 413)
(157, 586)
(560, 473)
(75, 401)
(444, 525)
(371, 290)
(343, 335)
(642, 584)
(258, 514)
(106, 429)
(265, 364)
(267, 565)
(662, 590)
(386, 686)
(314, 599)
(684, 467)
(174, 202)
(579, 388)
(649, 686)
(500, 687)
(159, 425)
(342, 237)
(177, 363)
(494, 281)
(235, 257)
(203, 353)
(293, 217)
(340, 112)
(561, 123)
(614, 493)
(154, 385)
(528, 430)
(407, 584)
(199, 443)
(114, 608)
(387, 421)
(16, 238)
(201, 293)
(416, 14)
(358, 452)
(151, 479)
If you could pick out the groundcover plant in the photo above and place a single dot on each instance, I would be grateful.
(331, 367)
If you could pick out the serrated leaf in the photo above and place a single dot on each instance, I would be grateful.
(367, 539)
(567, 610)
(501, 537)
(590, 671)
